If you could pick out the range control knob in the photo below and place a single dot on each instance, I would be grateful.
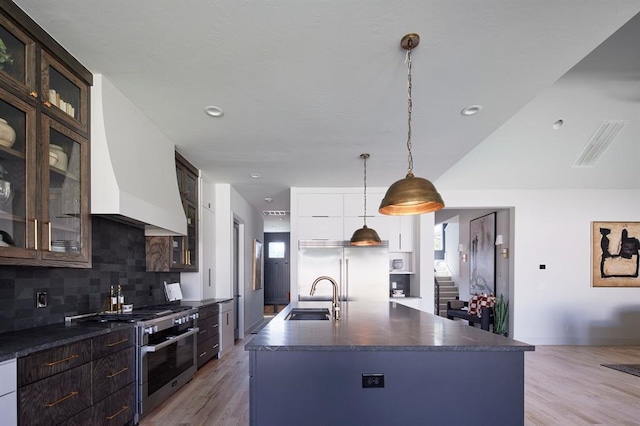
(194, 316)
(151, 330)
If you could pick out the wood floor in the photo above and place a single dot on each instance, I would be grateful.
(564, 385)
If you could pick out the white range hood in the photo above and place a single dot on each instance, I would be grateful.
(133, 171)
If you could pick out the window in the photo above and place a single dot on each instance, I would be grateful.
(276, 250)
(437, 235)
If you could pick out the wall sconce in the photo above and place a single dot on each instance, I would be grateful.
(499, 242)
(463, 255)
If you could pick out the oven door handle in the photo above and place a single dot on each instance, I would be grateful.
(171, 340)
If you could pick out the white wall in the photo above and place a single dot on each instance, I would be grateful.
(557, 305)
(252, 223)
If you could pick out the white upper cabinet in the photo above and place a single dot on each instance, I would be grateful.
(354, 204)
(208, 199)
(328, 205)
(401, 233)
(320, 228)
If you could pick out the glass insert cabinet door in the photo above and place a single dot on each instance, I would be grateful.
(18, 220)
(63, 94)
(65, 208)
(17, 58)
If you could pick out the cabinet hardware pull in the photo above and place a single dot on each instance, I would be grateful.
(126, 339)
(35, 221)
(51, 364)
(202, 354)
(202, 332)
(34, 94)
(49, 227)
(51, 404)
(215, 325)
(109, 376)
(122, 410)
(215, 346)
(47, 104)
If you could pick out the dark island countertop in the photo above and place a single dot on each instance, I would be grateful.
(377, 326)
(24, 342)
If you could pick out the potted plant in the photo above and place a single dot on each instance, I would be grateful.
(5, 58)
(500, 315)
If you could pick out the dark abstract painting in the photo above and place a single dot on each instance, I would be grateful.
(482, 253)
(615, 248)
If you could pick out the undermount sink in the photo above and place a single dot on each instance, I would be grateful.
(306, 314)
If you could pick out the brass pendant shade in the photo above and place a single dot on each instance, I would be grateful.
(365, 236)
(411, 195)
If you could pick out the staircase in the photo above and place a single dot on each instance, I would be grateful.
(448, 290)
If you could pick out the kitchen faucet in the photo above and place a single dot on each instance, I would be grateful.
(335, 308)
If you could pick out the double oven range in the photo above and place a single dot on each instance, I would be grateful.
(166, 344)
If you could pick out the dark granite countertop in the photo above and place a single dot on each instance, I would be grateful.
(206, 302)
(377, 326)
(24, 342)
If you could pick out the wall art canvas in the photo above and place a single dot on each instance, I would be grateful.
(257, 265)
(615, 248)
(482, 254)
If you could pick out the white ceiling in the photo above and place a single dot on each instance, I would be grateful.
(307, 86)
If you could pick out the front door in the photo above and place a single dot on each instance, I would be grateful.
(276, 268)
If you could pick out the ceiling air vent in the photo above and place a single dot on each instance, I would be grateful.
(275, 212)
(599, 142)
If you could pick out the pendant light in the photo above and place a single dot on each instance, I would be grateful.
(411, 195)
(365, 236)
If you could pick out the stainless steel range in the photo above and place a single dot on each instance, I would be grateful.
(166, 356)
(166, 344)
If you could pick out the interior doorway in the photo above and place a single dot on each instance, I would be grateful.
(277, 272)
(236, 278)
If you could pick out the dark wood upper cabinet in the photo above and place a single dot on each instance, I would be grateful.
(44, 148)
(179, 253)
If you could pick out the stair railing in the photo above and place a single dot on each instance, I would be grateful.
(436, 297)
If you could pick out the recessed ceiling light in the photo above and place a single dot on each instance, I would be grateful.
(471, 110)
(214, 111)
(268, 200)
(558, 124)
(255, 175)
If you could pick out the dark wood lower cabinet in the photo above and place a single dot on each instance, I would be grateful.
(116, 410)
(54, 399)
(54, 389)
(111, 373)
(209, 334)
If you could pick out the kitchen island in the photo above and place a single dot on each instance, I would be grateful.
(383, 363)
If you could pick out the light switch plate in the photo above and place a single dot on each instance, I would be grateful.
(41, 299)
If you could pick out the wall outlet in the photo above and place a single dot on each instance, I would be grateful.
(373, 380)
(41, 299)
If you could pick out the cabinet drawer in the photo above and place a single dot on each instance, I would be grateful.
(56, 398)
(116, 410)
(112, 372)
(208, 311)
(208, 333)
(208, 327)
(207, 350)
(44, 364)
(112, 342)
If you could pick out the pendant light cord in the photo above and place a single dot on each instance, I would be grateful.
(409, 107)
(365, 188)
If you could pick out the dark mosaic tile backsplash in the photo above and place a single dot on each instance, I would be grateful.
(118, 258)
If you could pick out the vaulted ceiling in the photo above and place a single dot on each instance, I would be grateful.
(307, 86)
